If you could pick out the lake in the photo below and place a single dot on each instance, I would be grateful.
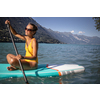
(84, 55)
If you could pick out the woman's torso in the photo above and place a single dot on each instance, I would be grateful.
(29, 49)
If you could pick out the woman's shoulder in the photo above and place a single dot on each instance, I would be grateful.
(34, 40)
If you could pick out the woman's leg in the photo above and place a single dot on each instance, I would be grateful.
(10, 58)
(15, 63)
(28, 65)
(12, 61)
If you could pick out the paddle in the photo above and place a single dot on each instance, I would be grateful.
(17, 54)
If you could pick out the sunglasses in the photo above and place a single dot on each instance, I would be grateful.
(28, 29)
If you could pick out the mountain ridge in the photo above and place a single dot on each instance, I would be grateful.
(69, 38)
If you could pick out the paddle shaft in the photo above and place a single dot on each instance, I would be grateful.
(17, 54)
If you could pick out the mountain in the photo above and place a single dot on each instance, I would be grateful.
(68, 37)
(43, 34)
(19, 24)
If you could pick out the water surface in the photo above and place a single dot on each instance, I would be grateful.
(84, 55)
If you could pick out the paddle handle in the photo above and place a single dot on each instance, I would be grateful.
(17, 54)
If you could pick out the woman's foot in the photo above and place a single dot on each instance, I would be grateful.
(11, 68)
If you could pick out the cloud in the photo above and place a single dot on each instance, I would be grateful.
(80, 32)
(72, 31)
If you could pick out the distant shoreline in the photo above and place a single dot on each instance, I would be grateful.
(38, 42)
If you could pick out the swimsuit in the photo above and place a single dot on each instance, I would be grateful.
(29, 51)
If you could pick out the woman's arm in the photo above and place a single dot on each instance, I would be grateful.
(24, 57)
(14, 32)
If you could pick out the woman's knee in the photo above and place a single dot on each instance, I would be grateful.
(13, 61)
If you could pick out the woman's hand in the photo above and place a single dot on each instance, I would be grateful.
(18, 57)
(7, 22)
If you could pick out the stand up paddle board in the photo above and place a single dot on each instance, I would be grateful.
(43, 70)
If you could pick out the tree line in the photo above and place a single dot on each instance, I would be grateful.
(97, 22)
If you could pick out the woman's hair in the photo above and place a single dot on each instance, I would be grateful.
(34, 27)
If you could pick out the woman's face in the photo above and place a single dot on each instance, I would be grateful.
(29, 30)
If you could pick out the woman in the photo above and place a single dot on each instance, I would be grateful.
(30, 60)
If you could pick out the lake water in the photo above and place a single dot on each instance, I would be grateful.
(85, 55)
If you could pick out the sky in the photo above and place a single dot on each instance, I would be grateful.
(76, 25)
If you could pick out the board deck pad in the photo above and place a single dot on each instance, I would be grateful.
(43, 70)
